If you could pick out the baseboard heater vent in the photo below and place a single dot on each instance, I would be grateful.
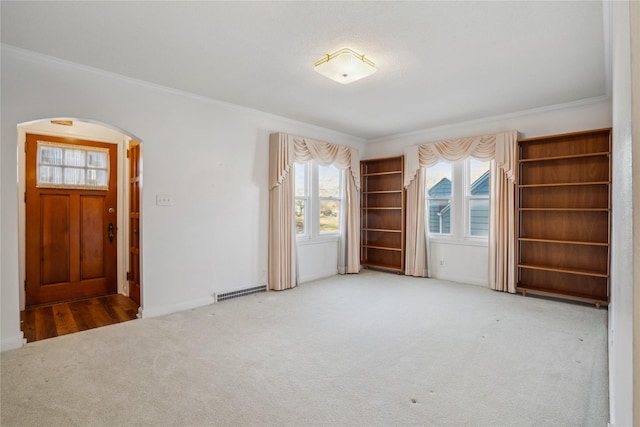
(240, 293)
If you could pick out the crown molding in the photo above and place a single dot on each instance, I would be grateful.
(492, 119)
(54, 61)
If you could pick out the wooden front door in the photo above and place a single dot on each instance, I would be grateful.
(134, 221)
(71, 219)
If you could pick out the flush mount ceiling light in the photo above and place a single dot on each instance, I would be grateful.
(345, 66)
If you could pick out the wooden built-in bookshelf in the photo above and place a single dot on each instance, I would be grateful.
(382, 213)
(564, 215)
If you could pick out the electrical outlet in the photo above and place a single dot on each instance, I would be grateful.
(164, 200)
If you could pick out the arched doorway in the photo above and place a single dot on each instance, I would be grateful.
(120, 142)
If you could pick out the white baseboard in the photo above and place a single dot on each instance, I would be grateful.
(12, 343)
(174, 308)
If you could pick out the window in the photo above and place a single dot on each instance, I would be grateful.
(72, 166)
(478, 197)
(329, 199)
(457, 197)
(318, 200)
(439, 198)
(302, 198)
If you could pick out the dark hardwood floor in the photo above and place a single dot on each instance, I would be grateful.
(49, 321)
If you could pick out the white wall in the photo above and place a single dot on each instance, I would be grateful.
(459, 261)
(211, 157)
(467, 262)
(634, 13)
(622, 256)
(317, 260)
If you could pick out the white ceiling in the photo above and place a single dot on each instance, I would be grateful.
(438, 62)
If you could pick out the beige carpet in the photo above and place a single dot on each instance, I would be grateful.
(373, 349)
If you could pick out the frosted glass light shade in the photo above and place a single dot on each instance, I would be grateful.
(345, 66)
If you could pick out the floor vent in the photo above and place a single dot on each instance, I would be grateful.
(241, 292)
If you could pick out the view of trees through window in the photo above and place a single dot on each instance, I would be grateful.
(329, 199)
(317, 199)
(302, 197)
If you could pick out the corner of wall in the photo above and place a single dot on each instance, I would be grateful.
(621, 308)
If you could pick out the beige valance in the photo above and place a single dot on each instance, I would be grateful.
(298, 149)
(484, 147)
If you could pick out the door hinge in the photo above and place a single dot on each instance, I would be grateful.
(25, 197)
(129, 275)
(25, 146)
(128, 153)
(25, 285)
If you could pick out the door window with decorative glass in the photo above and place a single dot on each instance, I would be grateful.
(72, 166)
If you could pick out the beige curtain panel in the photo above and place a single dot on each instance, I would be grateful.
(416, 241)
(282, 233)
(284, 151)
(502, 214)
(425, 155)
(500, 147)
